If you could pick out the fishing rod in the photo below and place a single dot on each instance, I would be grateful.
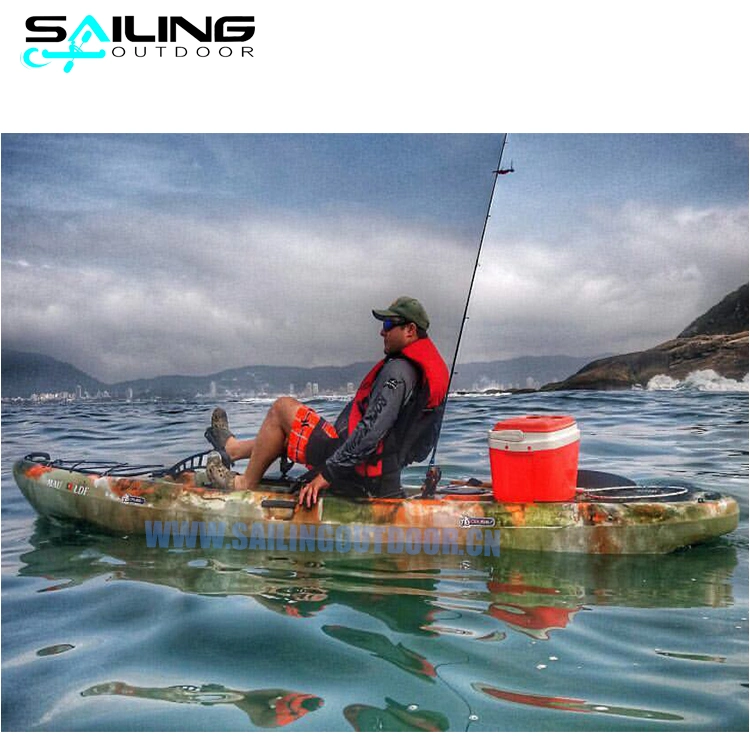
(432, 477)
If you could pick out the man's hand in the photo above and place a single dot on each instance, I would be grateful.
(309, 493)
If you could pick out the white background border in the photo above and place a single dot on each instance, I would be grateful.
(333, 66)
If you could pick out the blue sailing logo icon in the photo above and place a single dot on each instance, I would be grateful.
(75, 49)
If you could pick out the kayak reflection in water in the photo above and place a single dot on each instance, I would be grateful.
(395, 717)
(265, 708)
(378, 645)
(294, 601)
(392, 421)
(575, 705)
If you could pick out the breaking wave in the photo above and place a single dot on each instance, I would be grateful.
(700, 380)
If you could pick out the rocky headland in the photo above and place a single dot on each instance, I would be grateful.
(717, 340)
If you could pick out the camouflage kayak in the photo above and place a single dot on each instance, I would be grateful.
(147, 501)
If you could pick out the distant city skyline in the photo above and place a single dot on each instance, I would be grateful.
(30, 375)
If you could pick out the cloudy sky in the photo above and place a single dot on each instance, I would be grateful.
(140, 255)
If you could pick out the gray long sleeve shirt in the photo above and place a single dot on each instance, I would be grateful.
(393, 388)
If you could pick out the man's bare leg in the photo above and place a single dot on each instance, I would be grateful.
(238, 449)
(269, 444)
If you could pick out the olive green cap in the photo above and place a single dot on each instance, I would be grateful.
(408, 308)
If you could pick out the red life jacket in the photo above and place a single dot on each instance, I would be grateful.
(419, 418)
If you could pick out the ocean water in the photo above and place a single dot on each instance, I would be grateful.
(100, 632)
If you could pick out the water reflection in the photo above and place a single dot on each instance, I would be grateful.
(575, 705)
(269, 709)
(430, 596)
(492, 623)
(395, 717)
(378, 645)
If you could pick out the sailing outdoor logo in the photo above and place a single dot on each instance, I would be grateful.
(87, 40)
(75, 50)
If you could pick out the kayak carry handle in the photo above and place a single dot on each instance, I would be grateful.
(37, 457)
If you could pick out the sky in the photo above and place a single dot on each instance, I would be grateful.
(142, 255)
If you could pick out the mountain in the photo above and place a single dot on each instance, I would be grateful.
(717, 340)
(729, 316)
(24, 373)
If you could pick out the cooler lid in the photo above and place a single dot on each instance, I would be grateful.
(536, 423)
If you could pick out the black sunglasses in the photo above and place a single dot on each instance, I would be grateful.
(389, 323)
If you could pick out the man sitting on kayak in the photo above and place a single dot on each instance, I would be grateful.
(392, 421)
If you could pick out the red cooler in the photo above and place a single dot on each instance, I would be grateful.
(534, 459)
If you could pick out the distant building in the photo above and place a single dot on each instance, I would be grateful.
(315, 389)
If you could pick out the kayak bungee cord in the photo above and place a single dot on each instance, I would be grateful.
(432, 477)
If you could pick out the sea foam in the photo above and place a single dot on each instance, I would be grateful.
(700, 380)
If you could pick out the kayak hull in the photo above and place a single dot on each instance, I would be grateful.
(132, 505)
